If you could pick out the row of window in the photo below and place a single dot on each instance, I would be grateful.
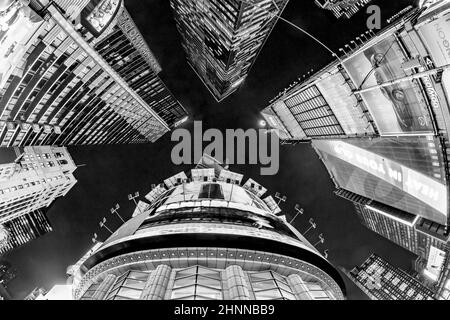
(201, 283)
(30, 184)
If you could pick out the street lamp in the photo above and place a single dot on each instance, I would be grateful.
(94, 238)
(114, 210)
(321, 239)
(280, 198)
(299, 210)
(133, 197)
(103, 225)
(325, 254)
(313, 226)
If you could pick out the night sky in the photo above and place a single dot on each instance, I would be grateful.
(112, 172)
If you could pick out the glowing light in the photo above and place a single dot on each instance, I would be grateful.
(237, 83)
(4, 237)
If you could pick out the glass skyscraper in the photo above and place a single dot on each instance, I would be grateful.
(206, 235)
(63, 81)
(380, 280)
(222, 38)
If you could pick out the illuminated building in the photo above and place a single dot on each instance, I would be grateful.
(57, 88)
(207, 235)
(342, 8)
(26, 228)
(222, 38)
(380, 280)
(382, 141)
(36, 294)
(7, 273)
(31, 178)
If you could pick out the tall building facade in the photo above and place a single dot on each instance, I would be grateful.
(222, 38)
(378, 119)
(31, 178)
(26, 228)
(60, 84)
(342, 8)
(207, 235)
(380, 280)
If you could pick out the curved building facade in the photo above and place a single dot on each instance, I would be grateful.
(207, 236)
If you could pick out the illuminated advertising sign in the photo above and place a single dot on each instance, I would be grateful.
(397, 108)
(98, 15)
(339, 97)
(377, 177)
(18, 24)
(436, 35)
(435, 263)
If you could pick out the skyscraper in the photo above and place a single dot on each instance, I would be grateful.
(207, 235)
(57, 88)
(342, 8)
(380, 280)
(7, 274)
(222, 38)
(26, 228)
(377, 119)
(31, 178)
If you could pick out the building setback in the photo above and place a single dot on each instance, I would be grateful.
(31, 178)
(380, 280)
(222, 38)
(56, 88)
(207, 235)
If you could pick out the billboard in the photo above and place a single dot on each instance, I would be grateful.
(339, 97)
(18, 24)
(399, 108)
(98, 15)
(387, 181)
(436, 36)
(436, 261)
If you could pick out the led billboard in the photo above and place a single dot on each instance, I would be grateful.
(339, 97)
(18, 24)
(436, 261)
(436, 35)
(398, 108)
(382, 179)
(98, 15)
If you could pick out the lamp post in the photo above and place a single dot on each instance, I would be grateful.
(114, 211)
(321, 240)
(94, 238)
(103, 225)
(280, 198)
(313, 226)
(299, 210)
(133, 197)
(325, 254)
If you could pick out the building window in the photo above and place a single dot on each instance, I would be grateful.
(211, 191)
(197, 283)
(128, 286)
(269, 285)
